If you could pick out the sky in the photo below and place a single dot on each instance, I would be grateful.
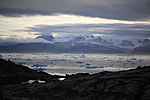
(122, 19)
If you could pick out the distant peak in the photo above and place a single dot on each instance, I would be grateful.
(47, 37)
(126, 43)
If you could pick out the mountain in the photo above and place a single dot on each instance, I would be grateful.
(78, 38)
(46, 37)
(92, 48)
(144, 41)
(144, 48)
(27, 47)
(59, 47)
(127, 43)
(8, 43)
(91, 40)
(77, 44)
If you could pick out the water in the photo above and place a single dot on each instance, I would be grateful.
(76, 63)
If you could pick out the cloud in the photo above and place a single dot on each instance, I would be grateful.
(113, 9)
(69, 25)
(113, 30)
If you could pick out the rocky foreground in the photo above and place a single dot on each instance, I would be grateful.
(124, 85)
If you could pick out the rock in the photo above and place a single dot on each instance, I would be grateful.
(132, 84)
(1, 95)
(10, 73)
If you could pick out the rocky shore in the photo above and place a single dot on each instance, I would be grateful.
(133, 84)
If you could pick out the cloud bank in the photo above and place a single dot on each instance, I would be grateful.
(23, 19)
(112, 9)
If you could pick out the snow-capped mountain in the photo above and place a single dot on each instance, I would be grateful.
(90, 39)
(144, 48)
(75, 39)
(127, 43)
(49, 38)
(76, 44)
(81, 38)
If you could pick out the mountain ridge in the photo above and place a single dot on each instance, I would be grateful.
(59, 48)
(75, 44)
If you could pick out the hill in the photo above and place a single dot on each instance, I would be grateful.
(132, 84)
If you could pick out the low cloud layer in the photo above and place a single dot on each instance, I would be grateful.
(110, 30)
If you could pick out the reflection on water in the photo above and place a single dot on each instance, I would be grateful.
(77, 63)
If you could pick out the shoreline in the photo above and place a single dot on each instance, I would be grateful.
(131, 84)
(69, 63)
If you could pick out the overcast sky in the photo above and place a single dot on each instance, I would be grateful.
(29, 18)
(114, 9)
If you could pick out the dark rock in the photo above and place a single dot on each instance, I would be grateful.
(11, 73)
(139, 67)
(1, 95)
(133, 84)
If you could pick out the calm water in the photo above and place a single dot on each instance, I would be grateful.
(77, 63)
